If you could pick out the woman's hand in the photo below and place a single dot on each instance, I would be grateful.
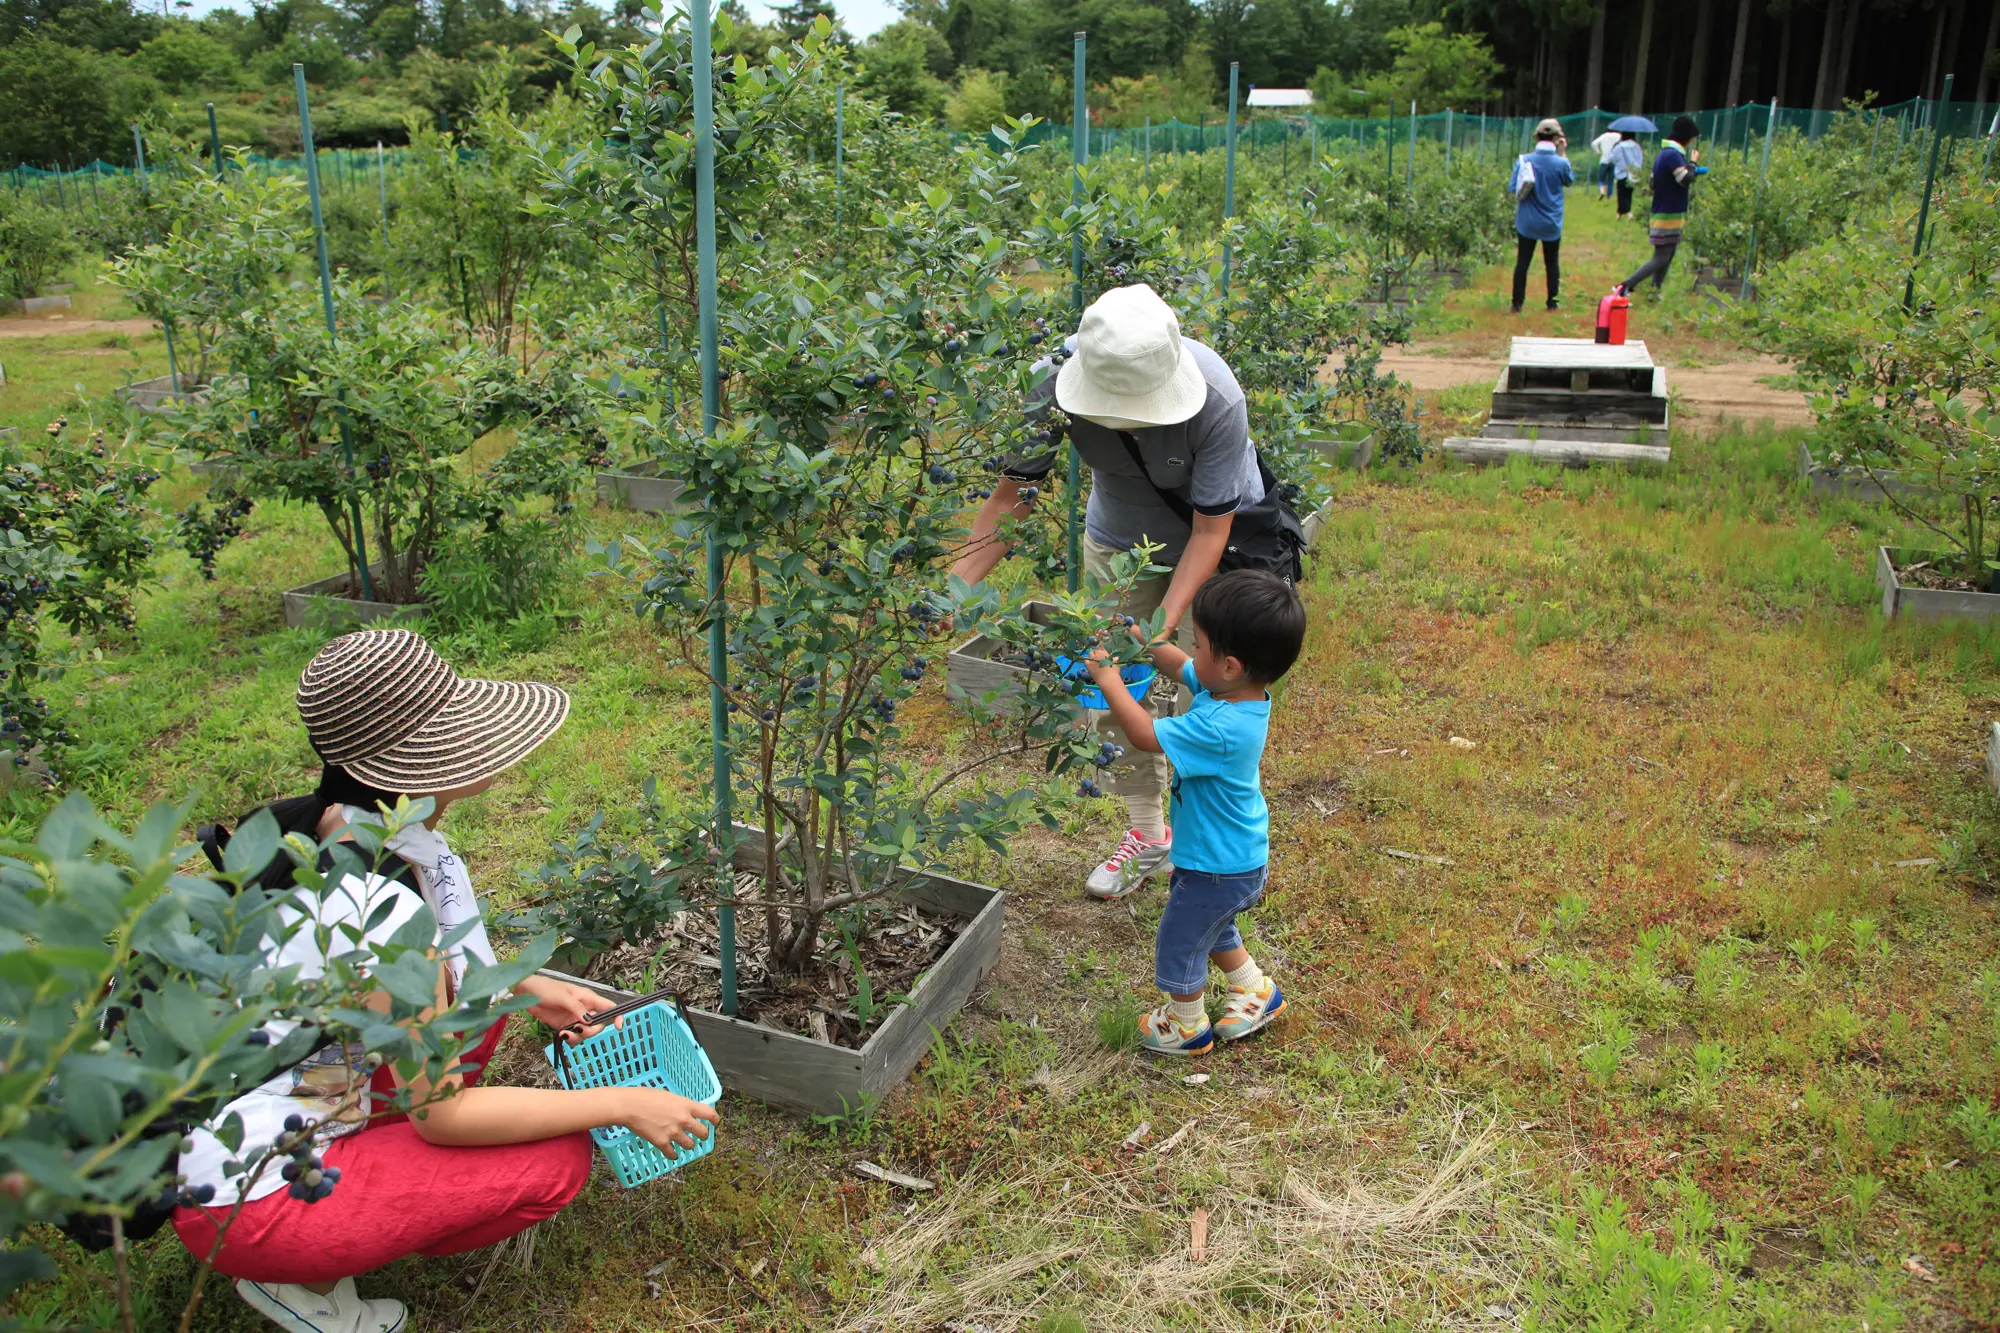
(666, 1119)
(559, 1004)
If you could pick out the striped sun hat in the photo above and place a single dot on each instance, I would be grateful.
(384, 706)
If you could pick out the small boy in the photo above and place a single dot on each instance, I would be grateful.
(1248, 628)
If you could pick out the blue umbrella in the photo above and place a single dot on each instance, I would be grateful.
(1634, 125)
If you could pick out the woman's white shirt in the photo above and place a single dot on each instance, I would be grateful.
(316, 1088)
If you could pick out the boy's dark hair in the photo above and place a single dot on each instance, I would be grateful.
(1255, 617)
(1686, 129)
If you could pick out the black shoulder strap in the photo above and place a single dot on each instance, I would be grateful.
(214, 840)
(1182, 509)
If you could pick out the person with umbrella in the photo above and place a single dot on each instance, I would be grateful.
(1626, 157)
(1674, 171)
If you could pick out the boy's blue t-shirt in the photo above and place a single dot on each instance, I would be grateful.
(1539, 217)
(1221, 824)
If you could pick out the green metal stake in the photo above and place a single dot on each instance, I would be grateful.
(1079, 156)
(1447, 141)
(711, 415)
(1228, 187)
(382, 186)
(1924, 210)
(839, 158)
(1750, 258)
(1410, 183)
(326, 300)
(1992, 133)
(1148, 169)
(214, 142)
(139, 152)
(1388, 200)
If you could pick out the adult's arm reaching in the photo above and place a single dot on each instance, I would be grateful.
(984, 548)
(1197, 565)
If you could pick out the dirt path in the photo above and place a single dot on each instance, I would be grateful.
(1734, 389)
(55, 326)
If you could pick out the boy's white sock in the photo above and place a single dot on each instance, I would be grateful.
(1188, 1013)
(1248, 977)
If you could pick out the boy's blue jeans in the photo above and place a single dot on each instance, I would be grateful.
(1200, 920)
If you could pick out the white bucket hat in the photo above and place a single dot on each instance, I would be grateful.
(1130, 363)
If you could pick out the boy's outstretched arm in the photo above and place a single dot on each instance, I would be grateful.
(1167, 655)
(1130, 715)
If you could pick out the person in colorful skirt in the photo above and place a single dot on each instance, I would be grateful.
(1674, 171)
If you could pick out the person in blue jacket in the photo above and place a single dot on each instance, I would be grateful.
(1539, 216)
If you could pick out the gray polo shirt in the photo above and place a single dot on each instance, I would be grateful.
(1207, 460)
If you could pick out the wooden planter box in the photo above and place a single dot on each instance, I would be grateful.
(789, 1070)
(158, 394)
(1853, 483)
(34, 305)
(1356, 454)
(1993, 756)
(640, 487)
(1899, 599)
(323, 604)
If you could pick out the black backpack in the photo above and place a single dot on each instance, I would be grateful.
(92, 1231)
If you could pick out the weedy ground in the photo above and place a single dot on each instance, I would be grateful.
(1670, 1002)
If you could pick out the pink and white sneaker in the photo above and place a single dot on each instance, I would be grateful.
(1135, 861)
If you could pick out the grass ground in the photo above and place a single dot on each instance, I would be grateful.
(1670, 1002)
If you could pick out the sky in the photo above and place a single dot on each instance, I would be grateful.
(862, 17)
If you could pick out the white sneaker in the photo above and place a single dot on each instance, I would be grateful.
(296, 1310)
(1135, 861)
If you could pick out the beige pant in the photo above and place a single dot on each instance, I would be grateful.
(1140, 777)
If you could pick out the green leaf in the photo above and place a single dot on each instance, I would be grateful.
(252, 846)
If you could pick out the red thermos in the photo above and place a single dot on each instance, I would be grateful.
(1611, 315)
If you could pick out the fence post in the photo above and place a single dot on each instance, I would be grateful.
(1750, 257)
(1992, 132)
(214, 142)
(139, 153)
(1410, 167)
(1447, 141)
(1147, 173)
(703, 60)
(326, 300)
(382, 188)
(839, 160)
(1079, 156)
(1924, 210)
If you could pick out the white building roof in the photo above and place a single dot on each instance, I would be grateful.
(1281, 97)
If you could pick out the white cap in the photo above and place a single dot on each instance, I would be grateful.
(1130, 363)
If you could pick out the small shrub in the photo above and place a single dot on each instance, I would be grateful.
(36, 244)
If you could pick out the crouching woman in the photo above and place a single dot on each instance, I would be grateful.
(390, 717)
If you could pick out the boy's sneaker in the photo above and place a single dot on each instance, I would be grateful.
(1162, 1034)
(296, 1310)
(1247, 1011)
(1135, 861)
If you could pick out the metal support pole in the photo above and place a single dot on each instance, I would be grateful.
(1447, 141)
(703, 61)
(1388, 201)
(382, 188)
(1148, 168)
(1750, 259)
(1924, 210)
(1410, 168)
(1228, 186)
(326, 300)
(139, 152)
(839, 159)
(1079, 156)
(1992, 133)
(214, 142)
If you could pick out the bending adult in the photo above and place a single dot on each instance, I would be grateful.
(1674, 170)
(1538, 217)
(1163, 425)
(389, 716)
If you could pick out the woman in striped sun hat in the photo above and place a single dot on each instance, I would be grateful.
(390, 718)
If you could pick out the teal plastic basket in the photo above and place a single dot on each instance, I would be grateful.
(655, 1048)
